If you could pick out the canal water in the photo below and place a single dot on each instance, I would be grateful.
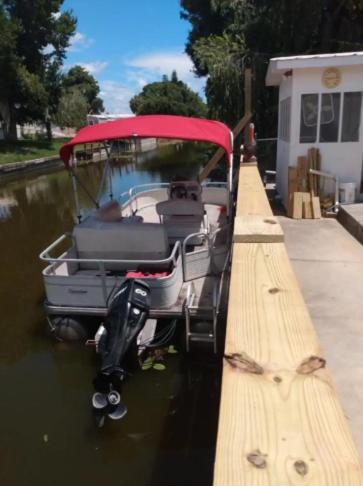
(47, 432)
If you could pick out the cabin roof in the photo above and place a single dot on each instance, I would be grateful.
(279, 65)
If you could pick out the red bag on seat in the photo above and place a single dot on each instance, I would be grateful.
(146, 275)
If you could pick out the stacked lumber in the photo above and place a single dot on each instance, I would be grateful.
(280, 421)
(304, 187)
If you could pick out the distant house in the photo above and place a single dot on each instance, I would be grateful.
(105, 117)
(320, 105)
(132, 145)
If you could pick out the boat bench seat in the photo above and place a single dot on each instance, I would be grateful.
(117, 241)
(181, 218)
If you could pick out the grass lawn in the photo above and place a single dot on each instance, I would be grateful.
(28, 149)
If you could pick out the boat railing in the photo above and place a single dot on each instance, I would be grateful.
(211, 244)
(54, 262)
(130, 198)
(101, 262)
(140, 188)
(135, 192)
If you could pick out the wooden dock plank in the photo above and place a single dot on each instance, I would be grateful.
(273, 406)
(252, 198)
(280, 420)
(257, 229)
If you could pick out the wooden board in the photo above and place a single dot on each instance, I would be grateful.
(314, 162)
(307, 209)
(280, 421)
(220, 152)
(251, 197)
(292, 187)
(302, 173)
(257, 229)
(316, 207)
(297, 205)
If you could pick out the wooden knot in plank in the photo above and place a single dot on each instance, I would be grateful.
(274, 290)
(244, 363)
(270, 221)
(311, 364)
(301, 467)
(257, 459)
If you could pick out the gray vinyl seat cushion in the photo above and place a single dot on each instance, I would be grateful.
(120, 241)
(181, 218)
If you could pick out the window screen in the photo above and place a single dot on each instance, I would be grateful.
(351, 116)
(329, 117)
(284, 125)
(308, 118)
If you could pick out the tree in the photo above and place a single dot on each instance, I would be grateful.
(168, 97)
(228, 34)
(78, 77)
(72, 109)
(33, 42)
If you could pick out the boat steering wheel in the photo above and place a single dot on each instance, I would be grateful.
(179, 192)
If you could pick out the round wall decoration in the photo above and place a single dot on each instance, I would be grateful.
(331, 77)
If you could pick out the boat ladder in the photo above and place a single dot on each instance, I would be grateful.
(201, 321)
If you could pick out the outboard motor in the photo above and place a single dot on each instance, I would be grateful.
(127, 315)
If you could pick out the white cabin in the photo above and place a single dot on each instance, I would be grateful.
(320, 105)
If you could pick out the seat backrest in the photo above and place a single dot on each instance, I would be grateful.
(118, 241)
(180, 207)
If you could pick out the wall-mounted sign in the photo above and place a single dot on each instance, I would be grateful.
(331, 77)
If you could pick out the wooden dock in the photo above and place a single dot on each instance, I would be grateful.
(280, 420)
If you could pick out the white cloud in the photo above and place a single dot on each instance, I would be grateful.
(56, 15)
(116, 96)
(164, 63)
(48, 49)
(150, 67)
(79, 42)
(95, 67)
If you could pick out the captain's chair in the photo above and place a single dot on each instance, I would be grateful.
(183, 214)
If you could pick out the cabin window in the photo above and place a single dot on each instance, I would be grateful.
(351, 116)
(309, 118)
(329, 117)
(284, 124)
(331, 120)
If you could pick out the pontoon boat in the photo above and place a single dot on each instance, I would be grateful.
(172, 236)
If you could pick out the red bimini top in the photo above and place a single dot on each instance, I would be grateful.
(156, 126)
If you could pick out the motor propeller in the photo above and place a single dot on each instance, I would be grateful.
(126, 317)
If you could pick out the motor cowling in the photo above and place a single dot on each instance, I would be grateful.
(126, 317)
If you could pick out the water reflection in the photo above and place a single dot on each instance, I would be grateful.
(7, 202)
(46, 432)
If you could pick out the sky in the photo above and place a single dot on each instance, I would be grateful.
(126, 44)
